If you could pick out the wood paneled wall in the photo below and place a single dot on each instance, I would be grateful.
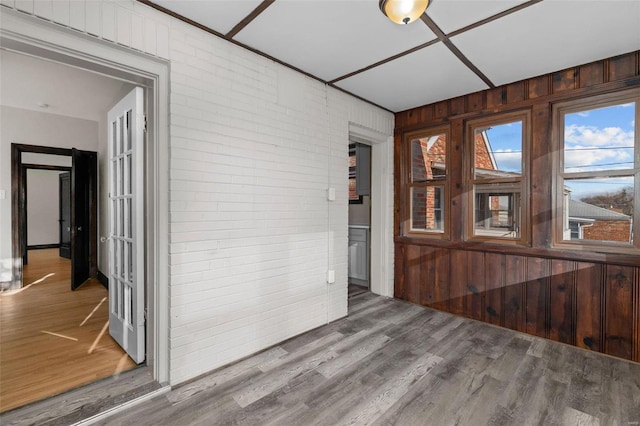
(590, 300)
(589, 305)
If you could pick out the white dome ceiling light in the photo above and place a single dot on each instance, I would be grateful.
(403, 11)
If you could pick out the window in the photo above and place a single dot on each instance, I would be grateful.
(354, 197)
(426, 155)
(497, 179)
(359, 172)
(598, 168)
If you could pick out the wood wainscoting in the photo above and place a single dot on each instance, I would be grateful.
(584, 298)
(53, 339)
(589, 305)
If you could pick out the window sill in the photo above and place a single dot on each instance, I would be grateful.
(620, 258)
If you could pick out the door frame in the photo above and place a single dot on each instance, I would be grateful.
(84, 193)
(19, 203)
(25, 168)
(381, 229)
(29, 35)
(60, 212)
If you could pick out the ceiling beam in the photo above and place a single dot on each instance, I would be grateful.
(440, 37)
(493, 18)
(444, 39)
(247, 20)
(217, 34)
(251, 49)
(384, 61)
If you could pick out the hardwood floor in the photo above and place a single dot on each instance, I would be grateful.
(52, 339)
(394, 363)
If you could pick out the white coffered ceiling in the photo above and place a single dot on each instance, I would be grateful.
(460, 46)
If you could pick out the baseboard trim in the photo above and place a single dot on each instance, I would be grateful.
(43, 246)
(122, 407)
(103, 279)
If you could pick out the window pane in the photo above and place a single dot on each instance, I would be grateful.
(497, 210)
(428, 158)
(598, 209)
(599, 139)
(498, 151)
(427, 209)
(353, 193)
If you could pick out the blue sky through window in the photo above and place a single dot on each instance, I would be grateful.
(506, 145)
(598, 139)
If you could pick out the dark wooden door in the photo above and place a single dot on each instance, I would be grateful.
(84, 175)
(65, 215)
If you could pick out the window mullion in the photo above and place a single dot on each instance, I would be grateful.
(599, 174)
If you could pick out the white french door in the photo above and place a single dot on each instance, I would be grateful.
(126, 214)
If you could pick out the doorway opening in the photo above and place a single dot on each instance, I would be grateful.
(39, 208)
(47, 207)
(35, 38)
(359, 271)
(55, 315)
(53, 336)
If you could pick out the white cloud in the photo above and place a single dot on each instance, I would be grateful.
(609, 140)
(507, 160)
(592, 136)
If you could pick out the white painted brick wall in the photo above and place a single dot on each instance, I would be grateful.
(253, 148)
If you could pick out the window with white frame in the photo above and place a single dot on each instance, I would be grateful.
(497, 178)
(598, 172)
(426, 159)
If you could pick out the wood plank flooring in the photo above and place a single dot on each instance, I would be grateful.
(84, 402)
(394, 363)
(52, 339)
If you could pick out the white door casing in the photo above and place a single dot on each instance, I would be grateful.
(31, 35)
(381, 244)
(126, 224)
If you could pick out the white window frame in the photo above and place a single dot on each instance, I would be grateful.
(522, 182)
(560, 206)
(445, 184)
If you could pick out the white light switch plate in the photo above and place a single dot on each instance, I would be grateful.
(3, 194)
(331, 277)
(331, 194)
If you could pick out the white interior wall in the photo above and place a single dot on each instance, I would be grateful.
(43, 207)
(254, 147)
(34, 128)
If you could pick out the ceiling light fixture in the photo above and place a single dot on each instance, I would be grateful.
(403, 11)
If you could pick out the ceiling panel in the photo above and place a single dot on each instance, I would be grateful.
(551, 36)
(329, 39)
(218, 15)
(451, 15)
(428, 75)
(27, 81)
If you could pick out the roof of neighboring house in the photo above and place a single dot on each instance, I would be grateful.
(589, 211)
